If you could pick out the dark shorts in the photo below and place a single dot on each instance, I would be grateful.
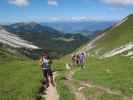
(47, 72)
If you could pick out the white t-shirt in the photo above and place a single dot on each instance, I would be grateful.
(45, 63)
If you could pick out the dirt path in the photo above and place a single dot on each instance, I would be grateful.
(88, 84)
(48, 94)
(70, 83)
(77, 88)
(51, 92)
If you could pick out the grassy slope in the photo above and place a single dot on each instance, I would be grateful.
(116, 73)
(19, 78)
(63, 90)
(118, 36)
(94, 94)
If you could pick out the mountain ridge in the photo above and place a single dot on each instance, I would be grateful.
(112, 39)
(80, 26)
(47, 38)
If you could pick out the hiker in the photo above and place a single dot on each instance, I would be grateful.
(46, 68)
(74, 60)
(78, 59)
(82, 59)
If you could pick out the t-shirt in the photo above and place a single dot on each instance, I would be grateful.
(82, 58)
(45, 63)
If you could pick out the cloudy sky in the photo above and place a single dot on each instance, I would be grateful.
(60, 10)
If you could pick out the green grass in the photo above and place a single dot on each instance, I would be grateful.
(91, 93)
(64, 39)
(59, 64)
(116, 37)
(63, 90)
(95, 94)
(110, 97)
(19, 78)
(116, 73)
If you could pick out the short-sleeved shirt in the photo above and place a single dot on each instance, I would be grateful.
(45, 63)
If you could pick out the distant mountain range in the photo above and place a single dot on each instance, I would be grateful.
(52, 37)
(114, 39)
(88, 27)
(31, 27)
(46, 38)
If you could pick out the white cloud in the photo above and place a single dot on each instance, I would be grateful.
(76, 18)
(118, 2)
(53, 2)
(64, 18)
(19, 2)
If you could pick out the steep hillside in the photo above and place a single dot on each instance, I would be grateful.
(109, 78)
(17, 45)
(14, 41)
(47, 38)
(118, 39)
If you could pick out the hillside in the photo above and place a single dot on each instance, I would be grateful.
(109, 78)
(47, 38)
(15, 74)
(16, 45)
(115, 39)
(14, 41)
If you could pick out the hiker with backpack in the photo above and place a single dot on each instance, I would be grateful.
(74, 60)
(78, 59)
(46, 69)
(82, 58)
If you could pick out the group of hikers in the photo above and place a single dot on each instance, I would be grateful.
(78, 59)
(45, 63)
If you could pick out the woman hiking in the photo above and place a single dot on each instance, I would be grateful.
(74, 60)
(82, 58)
(46, 69)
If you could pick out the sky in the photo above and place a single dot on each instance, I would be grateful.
(63, 10)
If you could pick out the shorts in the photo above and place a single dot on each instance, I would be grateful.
(47, 72)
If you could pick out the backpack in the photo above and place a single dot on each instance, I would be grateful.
(41, 62)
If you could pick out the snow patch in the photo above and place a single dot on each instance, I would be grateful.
(14, 41)
(119, 50)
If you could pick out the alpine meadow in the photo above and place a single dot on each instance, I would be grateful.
(66, 50)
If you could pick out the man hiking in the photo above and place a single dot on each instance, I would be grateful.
(74, 60)
(78, 59)
(82, 59)
(46, 68)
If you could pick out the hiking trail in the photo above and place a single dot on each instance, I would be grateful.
(51, 92)
(78, 87)
(48, 94)
(79, 95)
